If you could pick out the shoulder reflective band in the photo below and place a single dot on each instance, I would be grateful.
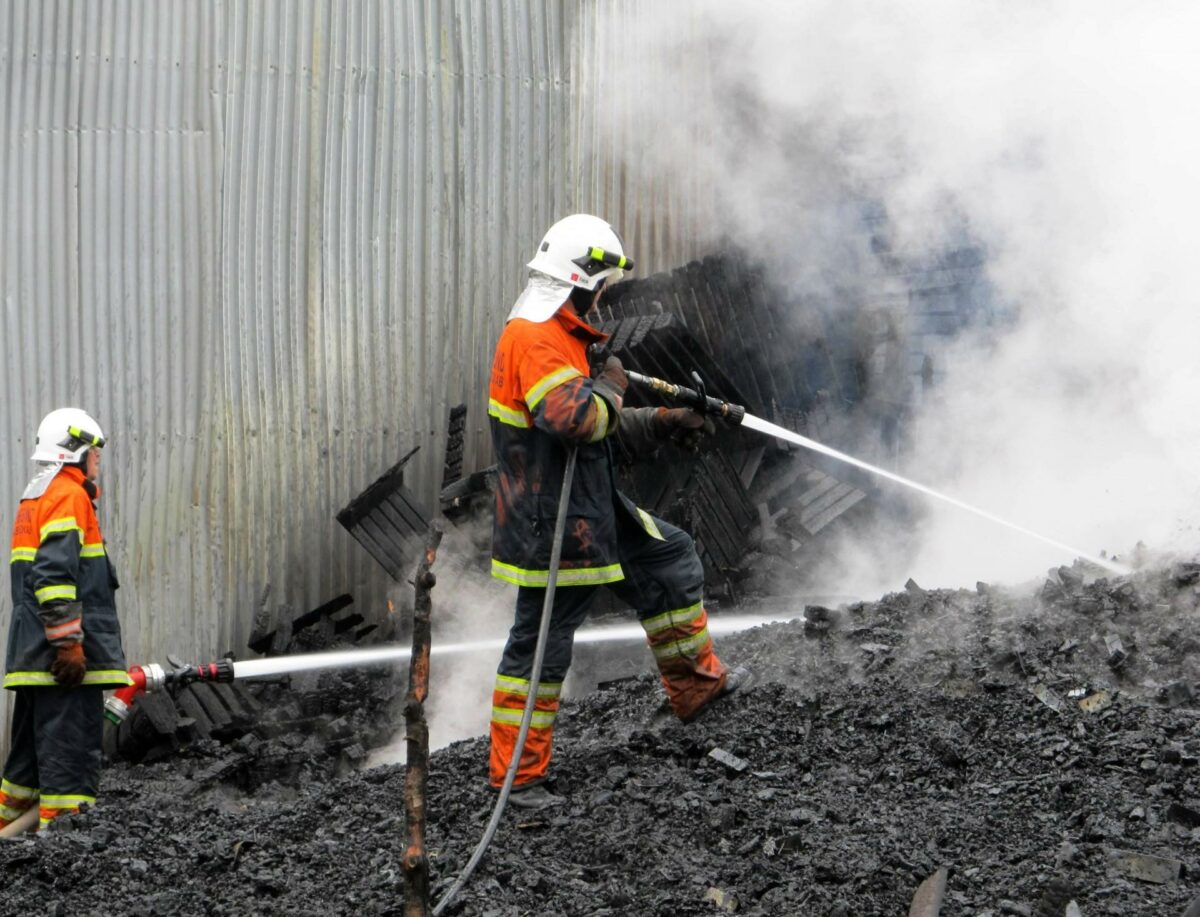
(605, 257)
(572, 576)
(547, 382)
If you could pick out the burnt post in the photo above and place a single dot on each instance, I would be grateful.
(416, 771)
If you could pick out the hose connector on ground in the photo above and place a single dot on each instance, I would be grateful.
(146, 678)
(153, 677)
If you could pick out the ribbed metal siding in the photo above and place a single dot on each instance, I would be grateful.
(626, 127)
(269, 244)
(107, 273)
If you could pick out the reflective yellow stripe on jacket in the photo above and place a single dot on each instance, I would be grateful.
(59, 592)
(508, 415)
(573, 576)
(111, 677)
(64, 524)
(601, 430)
(649, 524)
(544, 384)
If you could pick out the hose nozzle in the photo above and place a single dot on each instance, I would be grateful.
(221, 671)
(697, 400)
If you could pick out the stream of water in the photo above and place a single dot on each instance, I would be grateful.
(763, 426)
(383, 655)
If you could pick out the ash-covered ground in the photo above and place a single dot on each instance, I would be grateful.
(1040, 743)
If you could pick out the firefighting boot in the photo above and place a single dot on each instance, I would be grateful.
(534, 796)
(736, 679)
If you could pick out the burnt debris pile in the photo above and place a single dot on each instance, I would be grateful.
(1008, 751)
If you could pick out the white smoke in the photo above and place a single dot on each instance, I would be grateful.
(468, 607)
(1059, 137)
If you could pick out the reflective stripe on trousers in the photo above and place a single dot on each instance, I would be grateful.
(683, 649)
(508, 706)
(15, 800)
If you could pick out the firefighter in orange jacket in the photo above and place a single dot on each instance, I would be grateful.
(541, 400)
(64, 642)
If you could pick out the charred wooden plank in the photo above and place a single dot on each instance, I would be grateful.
(387, 520)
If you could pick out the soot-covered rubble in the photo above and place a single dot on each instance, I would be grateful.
(1039, 743)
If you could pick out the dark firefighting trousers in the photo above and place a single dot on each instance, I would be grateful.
(57, 735)
(664, 582)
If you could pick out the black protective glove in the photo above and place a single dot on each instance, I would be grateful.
(683, 426)
(69, 666)
(611, 382)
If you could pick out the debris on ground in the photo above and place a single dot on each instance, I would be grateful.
(838, 784)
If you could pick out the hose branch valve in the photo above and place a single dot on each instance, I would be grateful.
(697, 399)
(146, 679)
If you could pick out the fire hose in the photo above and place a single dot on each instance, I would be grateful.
(560, 524)
(697, 398)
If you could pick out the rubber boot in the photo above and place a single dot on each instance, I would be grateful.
(534, 796)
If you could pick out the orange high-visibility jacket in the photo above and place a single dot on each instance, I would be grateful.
(540, 399)
(58, 559)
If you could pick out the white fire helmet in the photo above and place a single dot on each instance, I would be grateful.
(578, 251)
(64, 435)
(583, 250)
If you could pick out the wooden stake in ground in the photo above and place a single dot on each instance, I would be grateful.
(416, 771)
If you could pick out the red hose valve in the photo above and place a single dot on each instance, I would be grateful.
(146, 678)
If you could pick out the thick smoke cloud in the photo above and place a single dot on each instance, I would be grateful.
(1059, 138)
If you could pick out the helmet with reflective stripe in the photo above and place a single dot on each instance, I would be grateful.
(64, 435)
(582, 250)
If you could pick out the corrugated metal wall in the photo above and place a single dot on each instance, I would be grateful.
(269, 244)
